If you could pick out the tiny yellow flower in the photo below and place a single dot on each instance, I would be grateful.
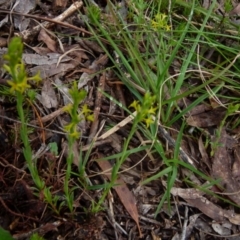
(152, 110)
(148, 121)
(90, 117)
(71, 129)
(135, 104)
(18, 86)
(68, 127)
(68, 108)
(160, 21)
(75, 134)
(168, 28)
(36, 78)
(85, 109)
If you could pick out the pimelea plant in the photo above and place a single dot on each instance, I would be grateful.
(19, 84)
(20, 88)
(73, 134)
(144, 112)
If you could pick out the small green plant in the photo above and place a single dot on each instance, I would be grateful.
(19, 84)
(144, 113)
(73, 134)
(20, 87)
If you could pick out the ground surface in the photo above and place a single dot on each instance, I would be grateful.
(181, 153)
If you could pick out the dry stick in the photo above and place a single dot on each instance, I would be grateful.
(29, 34)
(49, 116)
(184, 230)
(118, 126)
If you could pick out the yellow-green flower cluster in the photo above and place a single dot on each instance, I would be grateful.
(71, 128)
(16, 68)
(160, 22)
(145, 110)
(72, 109)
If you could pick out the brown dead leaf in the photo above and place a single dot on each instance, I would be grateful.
(41, 50)
(47, 59)
(201, 108)
(51, 44)
(207, 119)
(127, 198)
(221, 169)
(197, 200)
(74, 49)
(49, 98)
(23, 6)
(47, 71)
